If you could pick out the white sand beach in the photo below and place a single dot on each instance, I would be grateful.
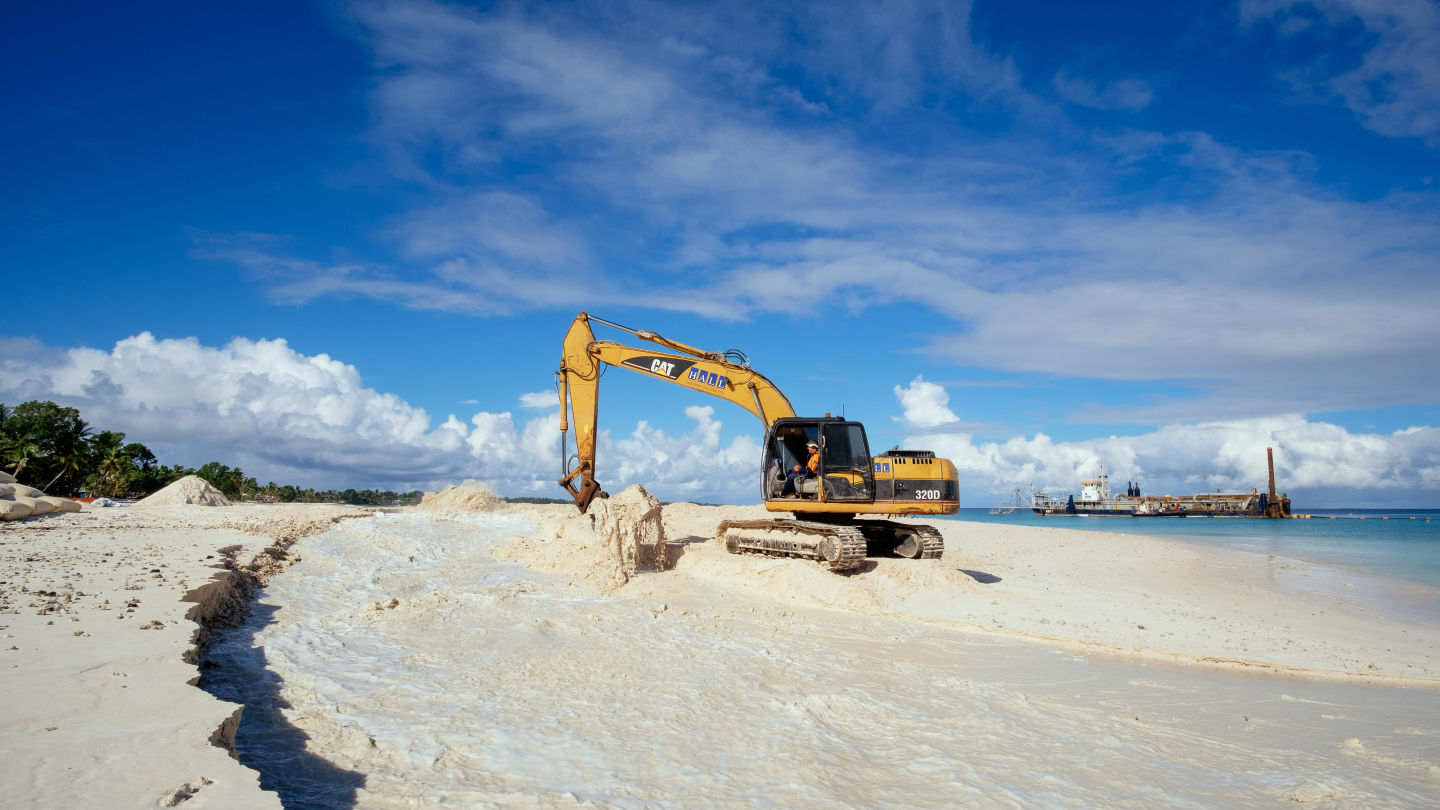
(1326, 681)
(98, 619)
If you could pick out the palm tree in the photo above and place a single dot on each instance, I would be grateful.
(236, 481)
(113, 476)
(69, 460)
(19, 452)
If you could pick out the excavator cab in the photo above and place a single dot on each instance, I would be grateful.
(846, 470)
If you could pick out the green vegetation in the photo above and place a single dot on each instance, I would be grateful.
(51, 448)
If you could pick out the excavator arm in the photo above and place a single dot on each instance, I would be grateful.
(583, 360)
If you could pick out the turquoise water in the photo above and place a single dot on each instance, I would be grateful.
(1396, 543)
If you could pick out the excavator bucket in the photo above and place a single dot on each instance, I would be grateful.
(588, 490)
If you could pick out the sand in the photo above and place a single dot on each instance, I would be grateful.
(110, 676)
(1115, 593)
(616, 540)
(469, 496)
(98, 629)
(191, 489)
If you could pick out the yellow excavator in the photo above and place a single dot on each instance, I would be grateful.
(833, 507)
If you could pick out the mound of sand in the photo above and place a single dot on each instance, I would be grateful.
(469, 496)
(616, 539)
(190, 489)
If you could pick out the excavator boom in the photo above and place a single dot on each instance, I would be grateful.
(583, 359)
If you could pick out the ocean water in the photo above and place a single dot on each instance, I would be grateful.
(1396, 544)
(400, 664)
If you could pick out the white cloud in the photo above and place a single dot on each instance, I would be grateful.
(310, 420)
(926, 404)
(1126, 94)
(539, 399)
(1312, 460)
(1257, 290)
(1395, 88)
(700, 465)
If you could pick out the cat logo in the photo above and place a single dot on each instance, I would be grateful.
(665, 367)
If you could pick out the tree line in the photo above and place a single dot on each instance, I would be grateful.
(51, 448)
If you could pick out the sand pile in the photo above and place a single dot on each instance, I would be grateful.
(605, 548)
(469, 496)
(20, 501)
(190, 489)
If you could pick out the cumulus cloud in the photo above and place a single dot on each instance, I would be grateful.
(1315, 461)
(696, 466)
(310, 420)
(926, 404)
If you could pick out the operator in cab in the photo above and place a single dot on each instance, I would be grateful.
(812, 467)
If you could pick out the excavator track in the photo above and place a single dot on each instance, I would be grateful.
(915, 541)
(838, 546)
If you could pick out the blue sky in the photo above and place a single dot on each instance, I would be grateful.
(338, 243)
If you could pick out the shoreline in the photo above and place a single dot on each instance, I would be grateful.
(193, 570)
(1325, 544)
(1398, 600)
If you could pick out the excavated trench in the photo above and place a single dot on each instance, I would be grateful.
(233, 669)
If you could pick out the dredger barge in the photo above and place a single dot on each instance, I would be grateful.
(1096, 499)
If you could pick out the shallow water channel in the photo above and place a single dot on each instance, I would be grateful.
(399, 664)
